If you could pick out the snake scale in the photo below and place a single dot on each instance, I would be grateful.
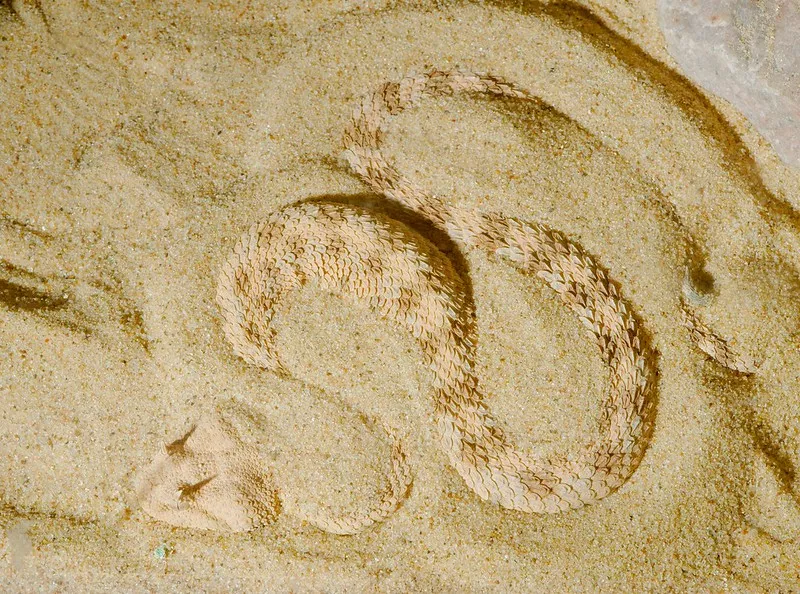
(398, 273)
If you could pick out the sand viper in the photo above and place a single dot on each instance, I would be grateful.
(404, 277)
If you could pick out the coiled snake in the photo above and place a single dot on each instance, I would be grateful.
(404, 277)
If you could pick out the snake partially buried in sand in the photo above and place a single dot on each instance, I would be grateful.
(207, 479)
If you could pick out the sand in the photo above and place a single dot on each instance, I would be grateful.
(140, 142)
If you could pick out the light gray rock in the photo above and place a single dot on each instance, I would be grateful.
(748, 52)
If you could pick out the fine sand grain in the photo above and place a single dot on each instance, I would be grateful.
(141, 140)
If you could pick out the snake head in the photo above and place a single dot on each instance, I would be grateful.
(208, 479)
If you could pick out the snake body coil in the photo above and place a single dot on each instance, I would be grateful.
(409, 281)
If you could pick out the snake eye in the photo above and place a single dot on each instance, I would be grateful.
(188, 491)
(698, 287)
(178, 446)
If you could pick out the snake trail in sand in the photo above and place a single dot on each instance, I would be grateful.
(404, 277)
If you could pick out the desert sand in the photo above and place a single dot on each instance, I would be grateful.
(140, 141)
